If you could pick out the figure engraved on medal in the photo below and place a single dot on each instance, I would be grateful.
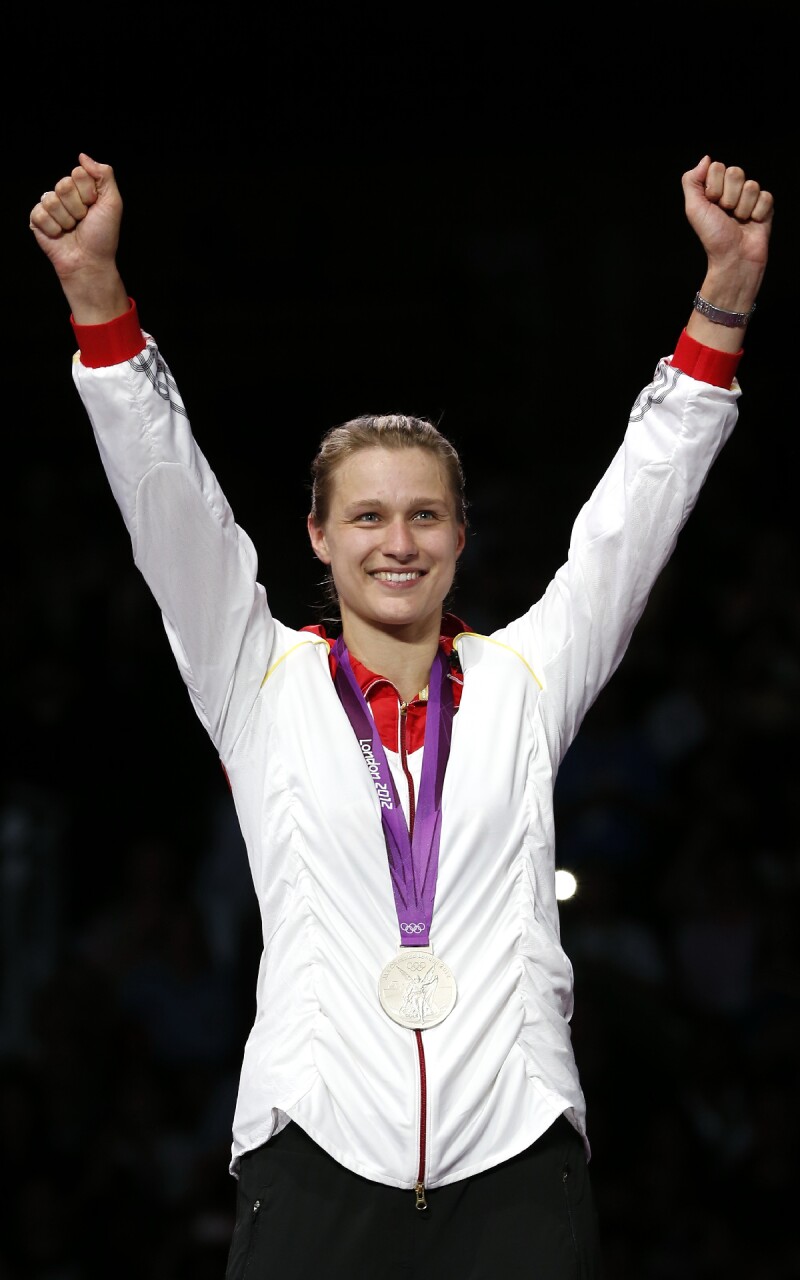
(416, 988)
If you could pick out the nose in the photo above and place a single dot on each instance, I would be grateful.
(399, 542)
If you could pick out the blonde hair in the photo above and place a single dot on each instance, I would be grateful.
(388, 431)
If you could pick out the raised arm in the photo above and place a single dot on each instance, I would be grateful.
(199, 565)
(77, 226)
(732, 217)
(626, 531)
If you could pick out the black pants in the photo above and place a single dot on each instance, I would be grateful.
(300, 1215)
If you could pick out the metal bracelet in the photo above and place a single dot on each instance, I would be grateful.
(731, 319)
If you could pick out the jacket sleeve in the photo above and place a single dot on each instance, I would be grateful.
(576, 635)
(199, 565)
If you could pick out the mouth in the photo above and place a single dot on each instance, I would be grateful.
(393, 576)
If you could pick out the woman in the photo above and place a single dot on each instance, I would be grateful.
(408, 1095)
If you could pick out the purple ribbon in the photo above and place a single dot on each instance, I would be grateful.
(413, 858)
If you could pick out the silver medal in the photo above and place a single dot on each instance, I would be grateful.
(416, 988)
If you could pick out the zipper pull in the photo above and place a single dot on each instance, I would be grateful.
(419, 1192)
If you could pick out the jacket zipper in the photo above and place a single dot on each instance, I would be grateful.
(419, 1186)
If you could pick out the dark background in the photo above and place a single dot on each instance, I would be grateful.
(330, 212)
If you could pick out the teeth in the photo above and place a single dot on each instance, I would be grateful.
(397, 577)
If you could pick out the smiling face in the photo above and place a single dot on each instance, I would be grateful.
(391, 538)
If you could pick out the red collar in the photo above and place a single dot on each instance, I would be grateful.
(384, 699)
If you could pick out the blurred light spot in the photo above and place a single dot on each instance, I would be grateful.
(566, 884)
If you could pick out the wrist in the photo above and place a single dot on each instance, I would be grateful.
(95, 296)
(731, 291)
(727, 299)
(718, 315)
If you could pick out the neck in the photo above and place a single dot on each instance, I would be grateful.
(403, 658)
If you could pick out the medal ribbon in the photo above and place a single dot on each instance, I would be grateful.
(413, 859)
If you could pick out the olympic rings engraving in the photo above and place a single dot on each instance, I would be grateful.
(413, 928)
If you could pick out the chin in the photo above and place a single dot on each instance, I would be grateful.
(404, 617)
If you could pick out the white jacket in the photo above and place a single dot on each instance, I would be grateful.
(321, 1051)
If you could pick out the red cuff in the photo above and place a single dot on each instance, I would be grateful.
(112, 343)
(706, 363)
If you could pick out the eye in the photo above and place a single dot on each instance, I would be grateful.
(425, 515)
(367, 517)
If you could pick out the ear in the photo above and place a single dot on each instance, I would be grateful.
(461, 541)
(319, 542)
